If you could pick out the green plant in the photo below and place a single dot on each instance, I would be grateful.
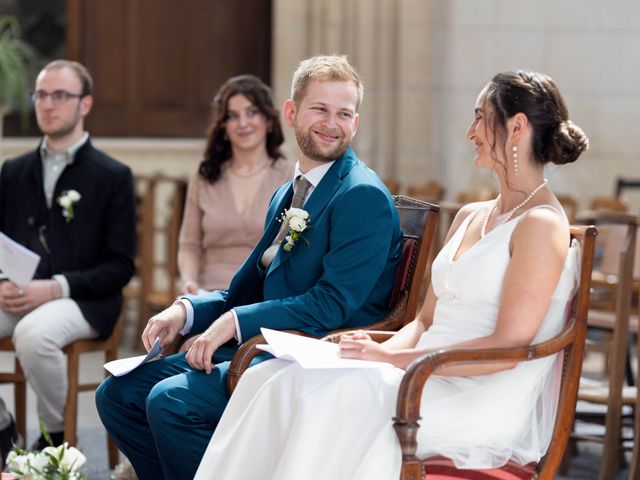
(17, 64)
(52, 463)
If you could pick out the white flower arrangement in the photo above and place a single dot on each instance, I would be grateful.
(66, 201)
(52, 463)
(298, 221)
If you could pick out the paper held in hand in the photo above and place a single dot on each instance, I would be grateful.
(310, 352)
(120, 367)
(17, 262)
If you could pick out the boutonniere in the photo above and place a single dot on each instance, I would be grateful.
(66, 201)
(298, 221)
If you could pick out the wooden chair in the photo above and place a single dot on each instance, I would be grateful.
(133, 292)
(624, 184)
(19, 388)
(634, 467)
(570, 206)
(418, 221)
(621, 232)
(73, 352)
(431, 191)
(160, 229)
(570, 341)
(608, 203)
(477, 194)
(392, 185)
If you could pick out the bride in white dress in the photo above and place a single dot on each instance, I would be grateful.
(503, 279)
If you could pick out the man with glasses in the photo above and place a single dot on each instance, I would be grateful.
(74, 206)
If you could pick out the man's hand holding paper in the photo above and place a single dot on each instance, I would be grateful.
(165, 326)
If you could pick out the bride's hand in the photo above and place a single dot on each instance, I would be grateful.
(355, 335)
(363, 349)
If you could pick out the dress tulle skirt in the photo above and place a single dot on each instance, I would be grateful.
(288, 423)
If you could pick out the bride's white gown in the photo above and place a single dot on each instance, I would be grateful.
(287, 423)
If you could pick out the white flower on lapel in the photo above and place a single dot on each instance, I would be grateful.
(298, 221)
(66, 201)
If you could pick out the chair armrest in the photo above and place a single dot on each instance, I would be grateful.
(247, 352)
(244, 356)
(419, 371)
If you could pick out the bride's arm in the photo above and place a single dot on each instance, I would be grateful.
(538, 250)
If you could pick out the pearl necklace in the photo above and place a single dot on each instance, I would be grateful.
(511, 212)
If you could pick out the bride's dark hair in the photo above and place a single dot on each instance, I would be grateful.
(556, 139)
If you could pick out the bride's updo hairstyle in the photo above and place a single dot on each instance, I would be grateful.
(556, 139)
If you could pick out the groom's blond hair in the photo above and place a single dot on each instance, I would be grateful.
(335, 68)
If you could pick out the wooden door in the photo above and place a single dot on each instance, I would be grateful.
(157, 63)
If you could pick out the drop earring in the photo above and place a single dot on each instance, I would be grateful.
(514, 151)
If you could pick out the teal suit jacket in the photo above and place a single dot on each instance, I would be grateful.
(341, 278)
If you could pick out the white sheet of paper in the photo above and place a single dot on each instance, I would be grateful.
(311, 352)
(120, 367)
(16, 261)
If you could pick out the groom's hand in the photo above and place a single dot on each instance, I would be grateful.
(165, 325)
(200, 354)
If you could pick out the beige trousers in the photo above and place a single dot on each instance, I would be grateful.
(39, 337)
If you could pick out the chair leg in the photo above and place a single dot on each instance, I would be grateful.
(112, 448)
(20, 401)
(412, 471)
(570, 452)
(71, 407)
(114, 453)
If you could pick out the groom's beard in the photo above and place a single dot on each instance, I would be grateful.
(310, 148)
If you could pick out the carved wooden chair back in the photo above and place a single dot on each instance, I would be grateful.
(620, 248)
(159, 245)
(570, 341)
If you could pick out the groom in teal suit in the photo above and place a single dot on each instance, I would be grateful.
(336, 273)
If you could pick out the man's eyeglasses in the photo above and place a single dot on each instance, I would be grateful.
(57, 97)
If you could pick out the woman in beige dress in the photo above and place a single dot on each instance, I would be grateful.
(227, 197)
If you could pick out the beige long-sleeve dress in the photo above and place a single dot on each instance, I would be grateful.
(215, 238)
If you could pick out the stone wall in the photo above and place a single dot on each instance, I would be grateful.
(424, 62)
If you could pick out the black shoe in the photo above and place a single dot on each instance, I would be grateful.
(8, 437)
(56, 437)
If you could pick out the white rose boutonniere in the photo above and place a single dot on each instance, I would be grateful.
(66, 201)
(298, 221)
